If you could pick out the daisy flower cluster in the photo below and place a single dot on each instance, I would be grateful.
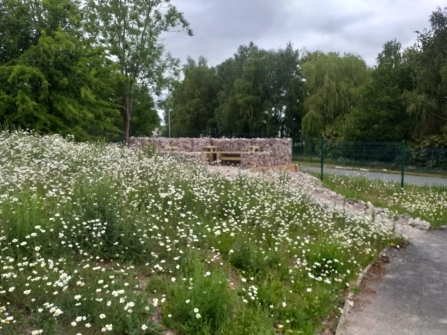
(99, 238)
(426, 203)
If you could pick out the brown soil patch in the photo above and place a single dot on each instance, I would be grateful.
(374, 276)
(375, 272)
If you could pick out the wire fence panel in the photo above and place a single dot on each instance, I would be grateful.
(306, 149)
(373, 154)
(426, 160)
(387, 161)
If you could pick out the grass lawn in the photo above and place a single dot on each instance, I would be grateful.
(427, 203)
(104, 239)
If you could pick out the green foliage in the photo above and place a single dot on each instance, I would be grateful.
(22, 23)
(88, 68)
(428, 63)
(381, 113)
(145, 117)
(61, 85)
(202, 303)
(130, 30)
(332, 83)
(194, 99)
(313, 124)
(255, 91)
(247, 257)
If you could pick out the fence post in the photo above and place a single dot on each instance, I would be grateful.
(215, 132)
(322, 157)
(402, 165)
(262, 134)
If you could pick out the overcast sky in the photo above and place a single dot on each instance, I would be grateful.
(359, 26)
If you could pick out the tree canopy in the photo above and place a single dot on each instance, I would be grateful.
(55, 82)
(427, 59)
(380, 114)
(130, 30)
(92, 68)
(285, 93)
(73, 67)
(332, 85)
(255, 91)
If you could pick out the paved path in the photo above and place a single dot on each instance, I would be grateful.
(408, 295)
(409, 179)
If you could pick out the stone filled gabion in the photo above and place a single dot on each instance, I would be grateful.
(274, 151)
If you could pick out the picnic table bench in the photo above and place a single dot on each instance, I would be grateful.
(211, 152)
(227, 156)
(254, 148)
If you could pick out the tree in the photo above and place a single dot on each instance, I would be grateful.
(22, 23)
(288, 90)
(144, 116)
(252, 90)
(332, 86)
(51, 79)
(427, 101)
(261, 91)
(225, 114)
(381, 113)
(131, 29)
(312, 124)
(61, 85)
(195, 98)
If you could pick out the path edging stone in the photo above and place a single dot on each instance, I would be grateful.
(350, 298)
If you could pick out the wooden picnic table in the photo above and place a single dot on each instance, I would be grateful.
(211, 152)
(229, 155)
(254, 148)
(210, 148)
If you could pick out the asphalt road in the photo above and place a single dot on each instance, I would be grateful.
(409, 179)
(408, 295)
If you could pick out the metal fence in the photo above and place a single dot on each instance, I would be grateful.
(391, 161)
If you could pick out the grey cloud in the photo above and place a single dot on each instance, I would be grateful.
(357, 26)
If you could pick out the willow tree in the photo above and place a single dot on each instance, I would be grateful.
(131, 30)
(312, 124)
(332, 85)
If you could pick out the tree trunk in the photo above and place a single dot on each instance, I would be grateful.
(127, 114)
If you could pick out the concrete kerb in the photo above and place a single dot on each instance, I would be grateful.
(349, 303)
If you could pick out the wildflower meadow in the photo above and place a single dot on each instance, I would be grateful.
(98, 238)
(426, 203)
